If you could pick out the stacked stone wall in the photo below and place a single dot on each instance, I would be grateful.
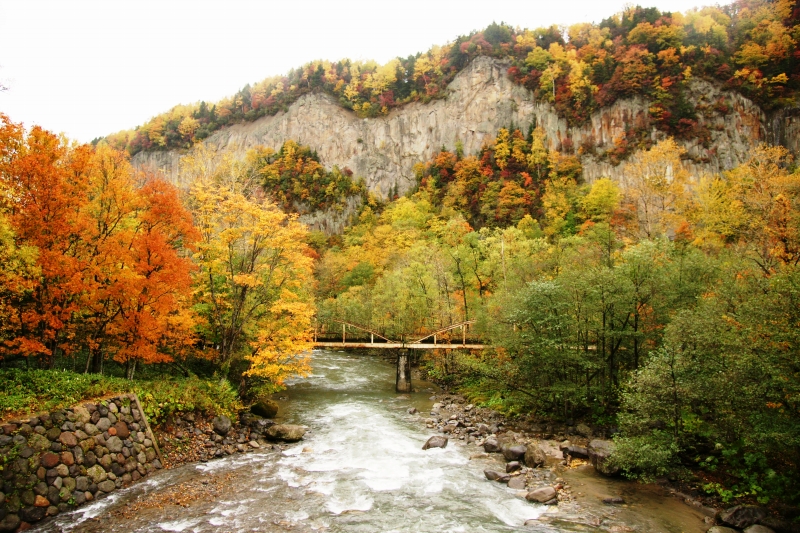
(59, 460)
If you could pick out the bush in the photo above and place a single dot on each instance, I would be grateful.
(24, 392)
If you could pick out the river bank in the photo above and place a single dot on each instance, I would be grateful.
(361, 468)
(563, 466)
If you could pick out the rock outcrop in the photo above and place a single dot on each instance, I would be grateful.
(480, 100)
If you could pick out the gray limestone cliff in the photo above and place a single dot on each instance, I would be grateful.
(480, 100)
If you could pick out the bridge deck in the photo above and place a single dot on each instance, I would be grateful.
(395, 345)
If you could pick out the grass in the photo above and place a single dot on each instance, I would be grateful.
(27, 392)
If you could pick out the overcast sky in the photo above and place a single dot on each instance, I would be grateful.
(92, 67)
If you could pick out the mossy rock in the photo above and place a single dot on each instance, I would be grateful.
(264, 407)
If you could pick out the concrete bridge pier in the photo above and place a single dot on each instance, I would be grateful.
(403, 383)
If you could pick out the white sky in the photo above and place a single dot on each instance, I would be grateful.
(92, 67)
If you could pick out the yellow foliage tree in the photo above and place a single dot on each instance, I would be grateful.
(254, 281)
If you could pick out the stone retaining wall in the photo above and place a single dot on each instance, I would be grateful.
(56, 461)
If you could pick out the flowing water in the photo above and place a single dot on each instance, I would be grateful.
(361, 468)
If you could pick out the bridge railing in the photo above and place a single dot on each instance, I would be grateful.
(348, 332)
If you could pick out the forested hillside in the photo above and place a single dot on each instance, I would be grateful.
(750, 46)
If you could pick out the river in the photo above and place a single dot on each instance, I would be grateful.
(361, 468)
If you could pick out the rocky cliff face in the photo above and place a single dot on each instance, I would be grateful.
(480, 101)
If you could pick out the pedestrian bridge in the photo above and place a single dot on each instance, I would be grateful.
(352, 336)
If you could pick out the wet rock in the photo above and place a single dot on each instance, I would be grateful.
(541, 495)
(512, 466)
(412, 410)
(493, 475)
(742, 516)
(614, 500)
(491, 445)
(535, 457)
(600, 452)
(286, 432)
(254, 444)
(517, 483)
(265, 407)
(721, 529)
(222, 424)
(436, 441)
(514, 453)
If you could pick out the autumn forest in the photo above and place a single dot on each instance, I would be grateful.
(665, 305)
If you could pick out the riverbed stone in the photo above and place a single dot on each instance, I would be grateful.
(493, 475)
(742, 516)
(286, 432)
(265, 407)
(517, 483)
(437, 441)
(535, 457)
(541, 495)
(721, 529)
(222, 424)
(491, 445)
(514, 453)
(600, 452)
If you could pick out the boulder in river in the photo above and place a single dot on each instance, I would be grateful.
(514, 453)
(742, 516)
(541, 495)
(286, 432)
(222, 424)
(493, 475)
(721, 529)
(437, 441)
(599, 454)
(534, 457)
(264, 407)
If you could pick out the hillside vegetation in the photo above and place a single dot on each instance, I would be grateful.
(750, 46)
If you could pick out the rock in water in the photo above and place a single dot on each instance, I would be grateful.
(535, 457)
(599, 454)
(437, 441)
(286, 432)
(264, 407)
(742, 516)
(541, 495)
(493, 475)
(514, 453)
(222, 424)
(517, 483)
(721, 529)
